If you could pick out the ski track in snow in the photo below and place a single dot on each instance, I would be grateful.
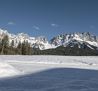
(48, 73)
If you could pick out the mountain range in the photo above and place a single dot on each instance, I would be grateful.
(79, 40)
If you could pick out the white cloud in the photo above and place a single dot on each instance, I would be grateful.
(36, 28)
(92, 27)
(54, 25)
(11, 23)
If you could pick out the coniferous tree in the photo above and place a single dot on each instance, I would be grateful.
(19, 48)
(4, 44)
(26, 48)
(12, 43)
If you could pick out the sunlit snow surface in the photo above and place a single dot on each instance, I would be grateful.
(48, 73)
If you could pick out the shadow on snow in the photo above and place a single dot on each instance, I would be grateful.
(59, 79)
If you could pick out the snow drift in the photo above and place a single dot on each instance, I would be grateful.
(21, 65)
(6, 70)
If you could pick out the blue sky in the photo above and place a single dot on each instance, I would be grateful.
(49, 17)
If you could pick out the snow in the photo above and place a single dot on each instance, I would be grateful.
(19, 65)
(48, 73)
(42, 43)
(93, 43)
(7, 70)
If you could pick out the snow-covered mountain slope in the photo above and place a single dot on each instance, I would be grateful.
(35, 42)
(79, 39)
(41, 42)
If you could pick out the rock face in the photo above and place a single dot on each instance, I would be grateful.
(79, 39)
(36, 42)
(82, 40)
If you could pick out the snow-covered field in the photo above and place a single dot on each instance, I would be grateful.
(48, 73)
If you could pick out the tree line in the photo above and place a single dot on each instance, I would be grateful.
(9, 49)
(25, 48)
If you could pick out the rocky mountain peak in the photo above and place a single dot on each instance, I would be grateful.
(65, 40)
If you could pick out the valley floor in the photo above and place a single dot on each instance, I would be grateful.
(48, 73)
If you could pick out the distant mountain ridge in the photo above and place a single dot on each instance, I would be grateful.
(36, 42)
(81, 40)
